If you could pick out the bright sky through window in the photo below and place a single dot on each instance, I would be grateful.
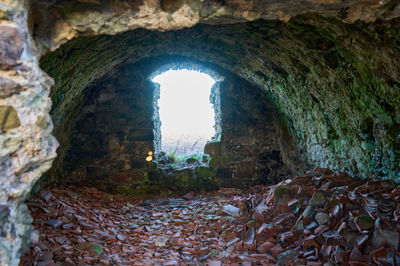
(186, 114)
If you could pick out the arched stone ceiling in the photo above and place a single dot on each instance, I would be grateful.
(333, 89)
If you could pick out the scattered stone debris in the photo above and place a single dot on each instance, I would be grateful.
(321, 218)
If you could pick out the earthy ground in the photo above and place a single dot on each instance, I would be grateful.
(319, 219)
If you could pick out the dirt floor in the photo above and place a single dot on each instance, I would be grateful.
(321, 218)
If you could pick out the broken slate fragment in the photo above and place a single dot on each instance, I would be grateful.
(54, 223)
(60, 239)
(212, 253)
(331, 234)
(286, 256)
(317, 198)
(231, 210)
(364, 222)
(189, 195)
(385, 237)
(299, 226)
(233, 241)
(214, 263)
(261, 208)
(121, 236)
(249, 236)
(263, 248)
(322, 218)
(282, 195)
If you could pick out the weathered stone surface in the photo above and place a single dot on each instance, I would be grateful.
(26, 151)
(15, 231)
(58, 23)
(8, 87)
(11, 47)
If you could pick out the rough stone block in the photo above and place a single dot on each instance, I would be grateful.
(11, 47)
(8, 87)
(213, 149)
(8, 118)
(205, 172)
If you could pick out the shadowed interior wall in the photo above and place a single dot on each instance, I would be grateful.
(114, 130)
(249, 152)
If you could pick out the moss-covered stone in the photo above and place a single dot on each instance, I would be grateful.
(205, 172)
(214, 162)
(155, 175)
(142, 191)
(126, 190)
(155, 189)
(184, 179)
(213, 148)
(91, 247)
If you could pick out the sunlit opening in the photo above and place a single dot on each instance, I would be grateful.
(186, 114)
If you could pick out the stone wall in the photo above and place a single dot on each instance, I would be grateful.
(113, 133)
(249, 152)
(114, 130)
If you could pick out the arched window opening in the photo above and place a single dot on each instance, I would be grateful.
(186, 108)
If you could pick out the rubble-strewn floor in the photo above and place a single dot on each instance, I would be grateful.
(311, 220)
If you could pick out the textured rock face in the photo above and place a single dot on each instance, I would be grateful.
(60, 21)
(26, 145)
(336, 85)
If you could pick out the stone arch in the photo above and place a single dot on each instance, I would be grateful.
(130, 135)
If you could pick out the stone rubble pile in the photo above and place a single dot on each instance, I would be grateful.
(321, 218)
